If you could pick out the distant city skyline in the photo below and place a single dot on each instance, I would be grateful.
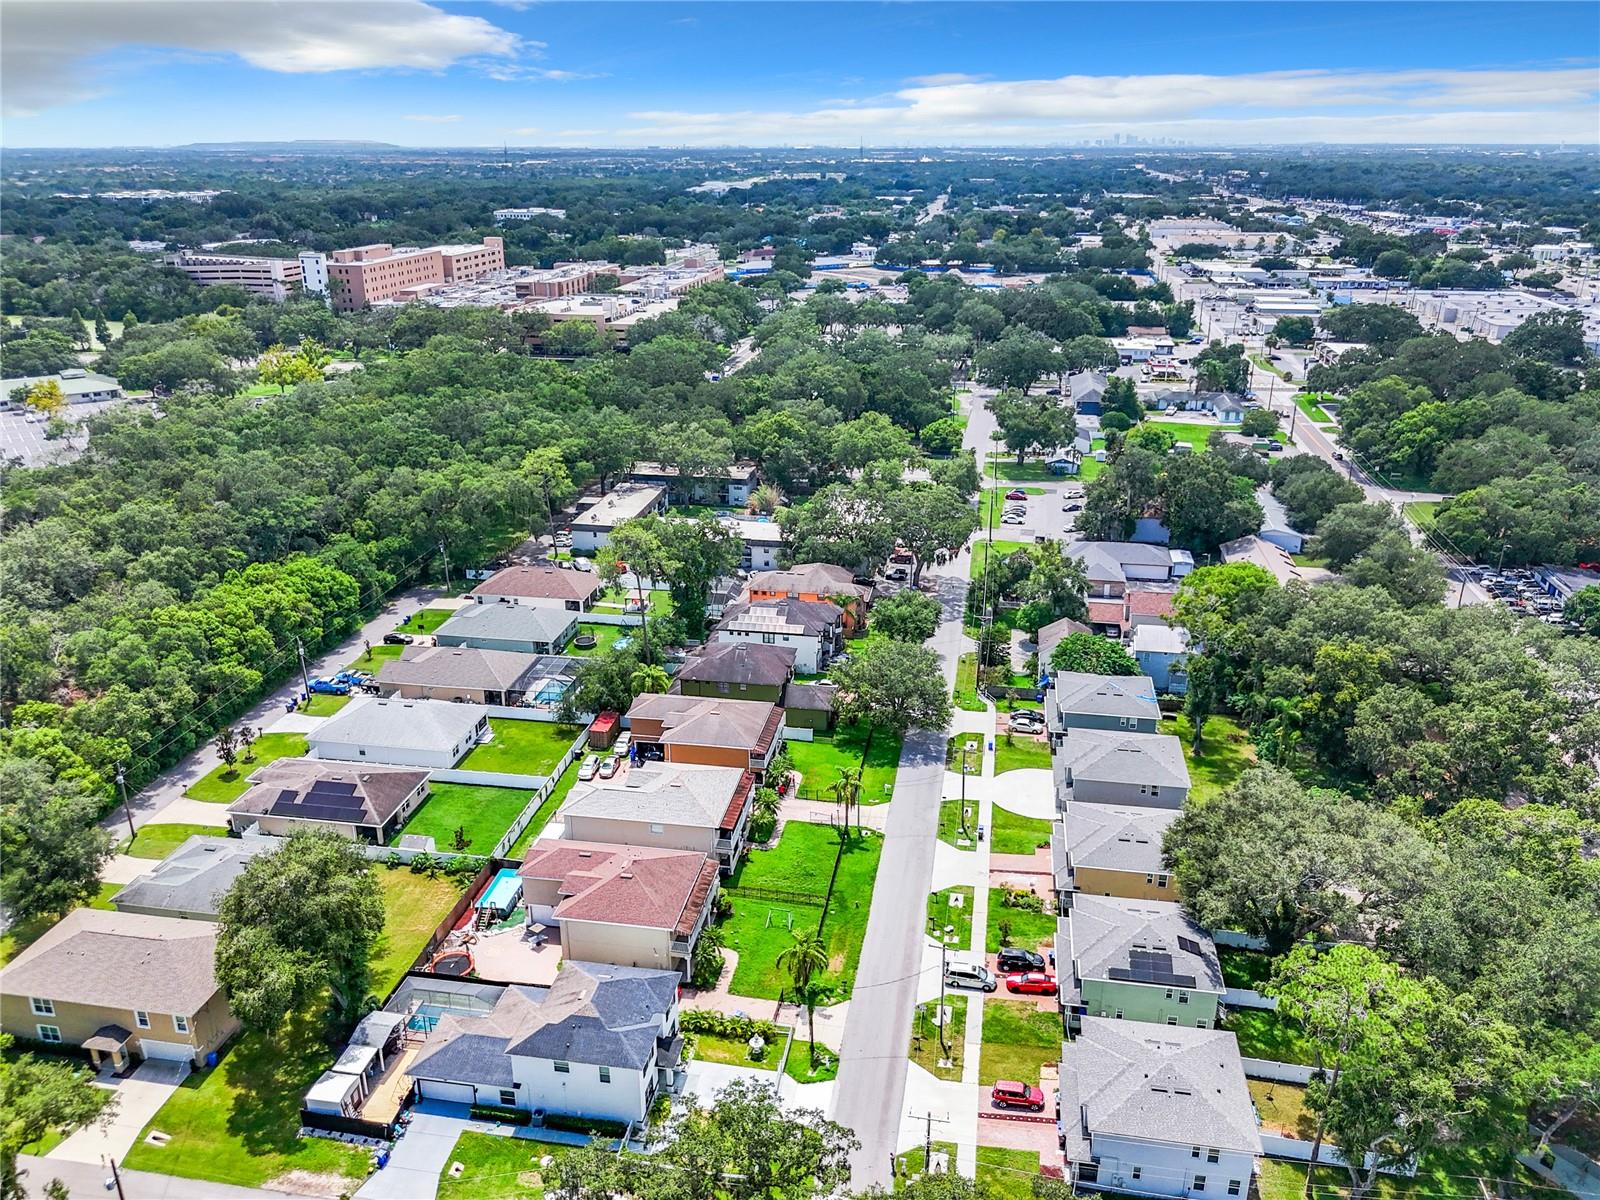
(165, 72)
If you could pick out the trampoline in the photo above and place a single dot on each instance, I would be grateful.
(452, 962)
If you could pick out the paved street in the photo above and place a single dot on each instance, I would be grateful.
(91, 1181)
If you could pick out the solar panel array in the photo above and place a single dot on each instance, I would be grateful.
(1150, 966)
(1189, 946)
(326, 800)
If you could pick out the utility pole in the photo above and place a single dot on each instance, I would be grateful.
(305, 678)
(927, 1138)
(965, 750)
(116, 1179)
(122, 787)
(443, 553)
(944, 964)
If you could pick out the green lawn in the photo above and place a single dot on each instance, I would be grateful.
(798, 1066)
(1018, 1038)
(552, 803)
(941, 913)
(819, 761)
(224, 784)
(1006, 468)
(158, 841)
(1451, 1173)
(909, 1164)
(239, 1122)
(950, 823)
(322, 704)
(521, 747)
(1013, 752)
(425, 620)
(787, 885)
(1188, 432)
(966, 693)
(1423, 513)
(606, 637)
(23, 934)
(614, 599)
(1266, 364)
(1002, 547)
(711, 1047)
(1245, 968)
(413, 906)
(925, 1048)
(1225, 754)
(496, 1168)
(1006, 1174)
(1306, 402)
(484, 812)
(1309, 560)
(1031, 928)
(1013, 834)
(972, 743)
(1282, 1106)
(1263, 1033)
(372, 660)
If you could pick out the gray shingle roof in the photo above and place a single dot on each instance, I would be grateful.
(119, 960)
(1105, 929)
(1161, 1083)
(667, 792)
(193, 878)
(506, 622)
(1114, 838)
(1107, 560)
(814, 618)
(739, 662)
(539, 583)
(1050, 637)
(1106, 695)
(1115, 756)
(708, 721)
(460, 667)
(399, 724)
(594, 1013)
(284, 787)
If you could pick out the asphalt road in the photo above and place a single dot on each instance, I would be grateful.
(870, 1094)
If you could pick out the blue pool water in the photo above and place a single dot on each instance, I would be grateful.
(426, 1017)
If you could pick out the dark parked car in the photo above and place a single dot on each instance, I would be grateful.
(397, 639)
(1014, 958)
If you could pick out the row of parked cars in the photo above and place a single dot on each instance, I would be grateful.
(1025, 974)
(1518, 590)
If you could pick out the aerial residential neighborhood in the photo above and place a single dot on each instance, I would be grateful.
(1011, 612)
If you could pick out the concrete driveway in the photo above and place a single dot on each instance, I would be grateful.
(138, 1098)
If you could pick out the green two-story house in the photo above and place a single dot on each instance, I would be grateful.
(1136, 960)
(753, 671)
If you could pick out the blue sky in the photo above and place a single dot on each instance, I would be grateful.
(163, 72)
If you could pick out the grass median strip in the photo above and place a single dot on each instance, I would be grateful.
(926, 1050)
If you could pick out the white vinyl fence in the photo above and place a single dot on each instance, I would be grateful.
(1282, 1072)
(541, 793)
(1248, 998)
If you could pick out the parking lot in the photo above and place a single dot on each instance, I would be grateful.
(25, 440)
(1518, 590)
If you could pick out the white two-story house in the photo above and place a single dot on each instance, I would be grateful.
(1154, 1110)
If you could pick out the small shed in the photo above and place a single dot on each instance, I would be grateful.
(336, 1094)
(603, 730)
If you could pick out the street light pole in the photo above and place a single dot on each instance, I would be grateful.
(122, 788)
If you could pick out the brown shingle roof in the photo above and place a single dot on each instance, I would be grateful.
(707, 721)
(813, 579)
(622, 885)
(460, 667)
(119, 960)
(1150, 604)
(739, 662)
(284, 786)
(540, 583)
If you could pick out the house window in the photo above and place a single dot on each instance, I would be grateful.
(1199, 1024)
(722, 686)
(49, 1033)
(1233, 1187)
(1137, 1172)
(1172, 1020)
(141, 1019)
(42, 1007)
(563, 1068)
(1199, 1183)
(1194, 1151)
(1119, 1014)
(1183, 997)
(1161, 881)
(1155, 790)
(605, 1074)
(656, 827)
(508, 1098)
(1169, 993)
(770, 639)
(1211, 1155)
(181, 1024)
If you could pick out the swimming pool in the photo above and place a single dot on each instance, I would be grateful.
(426, 1017)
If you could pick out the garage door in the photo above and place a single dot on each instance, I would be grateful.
(456, 1093)
(167, 1051)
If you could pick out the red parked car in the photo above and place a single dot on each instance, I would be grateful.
(1033, 983)
(1016, 494)
(1008, 1093)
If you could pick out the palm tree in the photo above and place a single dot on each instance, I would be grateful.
(810, 998)
(647, 677)
(767, 803)
(847, 791)
(803, 959)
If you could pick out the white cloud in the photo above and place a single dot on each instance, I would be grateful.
(1291, 106)
(945, 79)
(432, 118)
(521, 72)
(50, 46)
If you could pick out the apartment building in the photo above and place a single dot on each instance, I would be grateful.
(365, 275)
